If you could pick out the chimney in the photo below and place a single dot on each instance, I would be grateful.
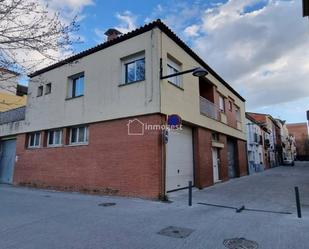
(112, 34)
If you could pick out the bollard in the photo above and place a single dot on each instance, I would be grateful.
(297, 202)
(190, 193)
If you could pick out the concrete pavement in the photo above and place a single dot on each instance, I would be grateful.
(33, 219)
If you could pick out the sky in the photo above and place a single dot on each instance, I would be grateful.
(260, 47)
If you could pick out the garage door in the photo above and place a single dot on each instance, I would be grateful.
(7, 160)
(179, 159)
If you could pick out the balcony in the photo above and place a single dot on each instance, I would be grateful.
(13, 115)
(209, 109)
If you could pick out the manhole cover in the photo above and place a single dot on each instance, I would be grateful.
(107, 204)
(240, 243)
(176, 232)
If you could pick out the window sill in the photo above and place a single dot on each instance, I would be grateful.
(77, 144)
(33, 148)
(130, 83)
(179, 87)
(69, 98)
(54, 146)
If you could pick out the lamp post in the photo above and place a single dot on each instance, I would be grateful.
(197, 72)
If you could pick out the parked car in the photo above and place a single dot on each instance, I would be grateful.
(288, 161)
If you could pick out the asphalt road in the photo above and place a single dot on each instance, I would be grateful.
(39, 219)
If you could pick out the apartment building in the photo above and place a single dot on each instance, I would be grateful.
(12, 95)
(97, 121)
(257, 152)
(12, 108)
(300, 132)
(272, 137)
(288, 148)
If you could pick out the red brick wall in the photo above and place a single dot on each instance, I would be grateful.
(231, 113)
(202, 158)
(113, 162)
(241, 158)
(300, 132)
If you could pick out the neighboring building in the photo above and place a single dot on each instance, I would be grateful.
(271, 137)
(288, 147)
(255, 145)
(300, 132)
(12, 95)
(77, 134)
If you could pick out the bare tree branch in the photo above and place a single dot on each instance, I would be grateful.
(30, 30)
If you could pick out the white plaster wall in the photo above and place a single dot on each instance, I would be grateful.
(186, 102)
(103, 98)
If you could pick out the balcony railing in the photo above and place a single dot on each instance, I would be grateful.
(209, 109)
(13, 115)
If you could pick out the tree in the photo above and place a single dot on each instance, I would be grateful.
(32, 35)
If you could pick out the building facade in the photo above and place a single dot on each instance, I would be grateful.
(300, 133)
(255, 145)
(96, 121)
(288, 146)
(271, 137)
(12, 95)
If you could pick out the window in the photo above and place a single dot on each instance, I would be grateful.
(215, 136)
(172, 68)
(230, 105)
(54, 138)
(34, 140)
(40, 91)
(76, 85)
(48, 88)
(79, 135)
(221, 103)
(237, 110)
(134, 70)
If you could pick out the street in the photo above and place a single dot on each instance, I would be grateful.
(37, 219)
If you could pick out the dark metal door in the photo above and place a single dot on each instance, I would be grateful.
(231, 158)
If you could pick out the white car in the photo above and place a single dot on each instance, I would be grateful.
(288, 161)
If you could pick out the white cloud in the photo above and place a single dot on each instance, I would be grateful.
(100, 34)
(127, 21)
(192, 31)
(181, 16)
(263, 53)
(68, 7)
(261, 47)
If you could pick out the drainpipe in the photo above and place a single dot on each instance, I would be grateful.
(163, 195)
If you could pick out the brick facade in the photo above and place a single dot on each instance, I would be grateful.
(112, 162)
(203, 158)
(115, 163)
(300, 132)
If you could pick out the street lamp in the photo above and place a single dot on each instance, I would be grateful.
(197, 72)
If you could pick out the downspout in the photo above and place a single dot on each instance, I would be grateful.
(163, 195)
